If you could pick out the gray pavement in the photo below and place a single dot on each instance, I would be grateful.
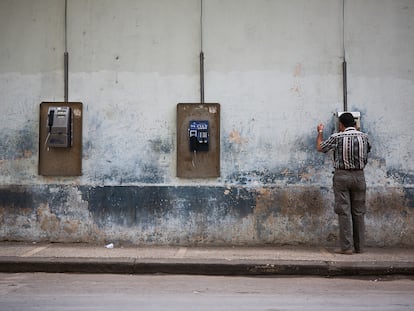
(268, 260)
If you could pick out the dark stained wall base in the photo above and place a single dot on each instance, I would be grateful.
(187, 215)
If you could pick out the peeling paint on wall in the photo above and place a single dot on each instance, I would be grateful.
(194, 215)
(392, 211)
(133, 61)
(17, 144)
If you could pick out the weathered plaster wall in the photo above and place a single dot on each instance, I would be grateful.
(189, 215)
(275, 68)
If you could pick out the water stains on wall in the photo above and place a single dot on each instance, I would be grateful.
(191, 215)
(17, 144)
(273, 187)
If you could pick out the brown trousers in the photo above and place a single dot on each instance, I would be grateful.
(350, 191)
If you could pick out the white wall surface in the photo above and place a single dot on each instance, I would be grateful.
(380, 49)
(274, 66)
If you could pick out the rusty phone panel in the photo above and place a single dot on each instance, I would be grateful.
(198, 140)
(60, 139)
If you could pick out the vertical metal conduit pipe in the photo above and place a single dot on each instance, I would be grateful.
(201, 55)
(66, 75)
(66, 58)
(344, 69)
(202, 77)
(344, 85)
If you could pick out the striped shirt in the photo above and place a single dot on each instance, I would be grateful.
(350, 149)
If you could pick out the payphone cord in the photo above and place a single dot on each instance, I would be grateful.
(46, 140)
(194, 161)
(193, 147)
(50, 119)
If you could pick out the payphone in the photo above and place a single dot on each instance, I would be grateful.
(60, 138)
(198, 140)
(59, 127)
(198, 135)
(355, 114)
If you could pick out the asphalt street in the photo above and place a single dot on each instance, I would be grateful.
(107, 292)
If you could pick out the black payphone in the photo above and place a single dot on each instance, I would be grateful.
(198, 135)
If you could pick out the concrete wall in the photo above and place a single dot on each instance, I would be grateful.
(276, 69)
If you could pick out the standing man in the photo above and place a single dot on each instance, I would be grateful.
(350, 150)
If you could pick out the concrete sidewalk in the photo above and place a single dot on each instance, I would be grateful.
(279, 260)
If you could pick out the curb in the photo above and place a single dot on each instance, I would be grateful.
(203, 267)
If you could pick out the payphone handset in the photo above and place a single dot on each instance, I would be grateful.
(198, 135)
(59, 127)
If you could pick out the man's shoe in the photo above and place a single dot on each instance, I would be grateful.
(343, 252)
(359, 251)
